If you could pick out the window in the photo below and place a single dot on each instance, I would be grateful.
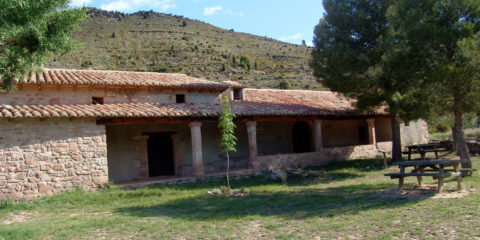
(97, 100)
(237, 94)
(180, 98)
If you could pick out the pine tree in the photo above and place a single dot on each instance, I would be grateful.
(31, 31)
(451, 43)
(348, 57)
(227, 129)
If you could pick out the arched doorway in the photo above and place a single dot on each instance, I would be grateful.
(301, 137)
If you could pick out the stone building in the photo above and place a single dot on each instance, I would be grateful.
(64, 129)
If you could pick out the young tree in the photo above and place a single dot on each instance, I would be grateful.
(30, 32)
(227, 129)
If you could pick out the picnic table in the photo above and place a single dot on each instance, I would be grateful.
(438, 169)
(422, 149)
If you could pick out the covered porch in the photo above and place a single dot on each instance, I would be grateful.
(165, 149)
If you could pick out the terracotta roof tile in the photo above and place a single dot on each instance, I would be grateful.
(302, 101)
(138, 110)
(234, 84)
(119, 78)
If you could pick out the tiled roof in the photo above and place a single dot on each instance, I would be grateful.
(318, 102)
(111, 110)
(258, 102)
(119, 78)
(174, 110)
(325, 100)
(234, 84)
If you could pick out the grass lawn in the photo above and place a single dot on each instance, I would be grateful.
(349, 200)
(469, 132)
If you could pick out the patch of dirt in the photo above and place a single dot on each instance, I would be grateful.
(19, 217)
(423, 191)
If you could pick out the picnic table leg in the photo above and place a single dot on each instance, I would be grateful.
(440, 184)
(440, 178)
(400, 179)
(409, 154)
(458, 177)
(385, 165)
(422, 155)
(419, 178)
(400, 184)
(436, 154)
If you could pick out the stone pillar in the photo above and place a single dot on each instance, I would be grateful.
(197, 154)
(317, 135)
(142, 156)
(252, 143)
(371, 132)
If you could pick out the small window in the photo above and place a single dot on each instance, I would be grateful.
(237, 94)
(180, 98)
(97, 100)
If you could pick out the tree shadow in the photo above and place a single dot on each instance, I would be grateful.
(363, 165)
(301, 204)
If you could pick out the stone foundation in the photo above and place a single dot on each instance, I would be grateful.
(297, 160)
(39, 157)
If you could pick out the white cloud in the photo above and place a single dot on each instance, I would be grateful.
(79, 3)
(208, 11)
(289, 38)
(211, 10)
(122, 5)
(310, 43)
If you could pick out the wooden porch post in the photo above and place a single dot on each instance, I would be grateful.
(197, 154)
(371, 132)
(317, 135)
(252, 144)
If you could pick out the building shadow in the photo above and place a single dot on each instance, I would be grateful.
(306, 203)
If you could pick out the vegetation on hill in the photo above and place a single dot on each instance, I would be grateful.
(149, 41)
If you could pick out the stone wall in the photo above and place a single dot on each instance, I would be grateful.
(296, 160)
(69, 95)
(416, 132)
(38, 157)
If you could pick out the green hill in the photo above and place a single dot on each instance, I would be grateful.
(149, 41)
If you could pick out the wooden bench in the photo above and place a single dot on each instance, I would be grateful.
(384, 153)
(428, 168)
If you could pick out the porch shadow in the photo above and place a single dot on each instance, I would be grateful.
(307, 203)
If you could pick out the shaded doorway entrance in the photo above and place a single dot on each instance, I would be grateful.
(160, 155)
(301, 137)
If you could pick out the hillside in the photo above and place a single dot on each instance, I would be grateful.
(149, 41)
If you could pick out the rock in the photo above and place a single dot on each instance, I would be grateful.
(314, 173)
(278, 175)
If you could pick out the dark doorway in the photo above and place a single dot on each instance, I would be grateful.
(362, 135)
(301, 137)
(160, 155)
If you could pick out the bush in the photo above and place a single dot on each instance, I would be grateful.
(245, 62)
(284, 85)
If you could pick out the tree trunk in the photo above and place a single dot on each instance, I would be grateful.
(228, 169)
(396, 139)
(454, 140)
(461, 144)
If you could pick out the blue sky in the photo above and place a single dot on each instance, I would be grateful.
(285, 20)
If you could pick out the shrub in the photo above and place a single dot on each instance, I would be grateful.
(284, 85)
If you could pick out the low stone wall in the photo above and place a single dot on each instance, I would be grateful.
(297, 160)
(39, 157)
